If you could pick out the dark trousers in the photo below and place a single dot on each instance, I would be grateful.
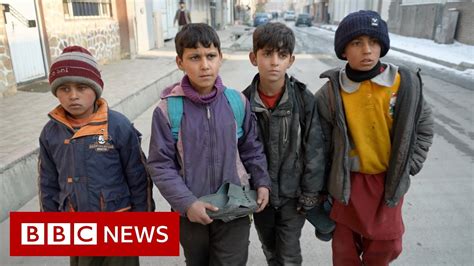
(350, 248)
(217, 243)
(104, 261)
(279, 231)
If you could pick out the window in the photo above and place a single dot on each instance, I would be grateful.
(87, 8)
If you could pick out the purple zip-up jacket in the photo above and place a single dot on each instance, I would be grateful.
(207, 153)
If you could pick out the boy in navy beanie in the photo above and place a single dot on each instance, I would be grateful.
(378, 129)
(90, 157)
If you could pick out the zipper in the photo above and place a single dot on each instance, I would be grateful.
(102, 202)
(344, 144)
(71, 207)
(285, 129)
(211, 144)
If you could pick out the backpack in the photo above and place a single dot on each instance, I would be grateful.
(175, 111)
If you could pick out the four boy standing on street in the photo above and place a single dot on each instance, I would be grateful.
(378, 130)
(375, 131)
(289, 128)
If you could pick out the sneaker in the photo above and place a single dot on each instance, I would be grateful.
(233, 202)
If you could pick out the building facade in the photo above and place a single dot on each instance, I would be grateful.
(34, 32)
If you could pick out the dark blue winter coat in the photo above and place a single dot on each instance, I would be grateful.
(99, 167)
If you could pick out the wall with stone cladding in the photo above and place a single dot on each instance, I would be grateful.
(99, 35)
(7, 77)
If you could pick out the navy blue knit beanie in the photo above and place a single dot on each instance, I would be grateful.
(362, 22)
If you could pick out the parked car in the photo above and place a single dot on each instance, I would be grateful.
(260, 19)
(289, 15)
(304, 19)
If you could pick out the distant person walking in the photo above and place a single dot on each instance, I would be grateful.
(183, 16)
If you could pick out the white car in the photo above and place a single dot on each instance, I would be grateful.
(289, 15)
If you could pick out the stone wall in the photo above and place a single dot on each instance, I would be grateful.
(100, 36)
(7, 78)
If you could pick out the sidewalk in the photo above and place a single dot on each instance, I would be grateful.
(131, 86)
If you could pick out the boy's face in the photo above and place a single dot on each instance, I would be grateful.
(77, 99)
(272, 64)
(362, 53)
(202, 66)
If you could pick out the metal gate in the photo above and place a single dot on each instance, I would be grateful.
(24, 40)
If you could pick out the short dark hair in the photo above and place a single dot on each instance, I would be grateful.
(193, 34)
(274, 36)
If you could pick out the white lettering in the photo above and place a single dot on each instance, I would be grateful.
(144, 232)
(85, 234)
(126, 232)
(32, 234)
(163, 234)
(113, 235)
(59, 234)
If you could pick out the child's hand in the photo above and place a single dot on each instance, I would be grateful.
(197, 212)
(262, 198)
(306, 203)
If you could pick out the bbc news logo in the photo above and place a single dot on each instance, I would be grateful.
(86, 234)
(94, 234)
(58, 233)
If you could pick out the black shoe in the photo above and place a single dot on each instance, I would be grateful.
(319, 218)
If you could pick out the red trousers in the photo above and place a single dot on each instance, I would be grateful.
(367, 231)
(349, 248)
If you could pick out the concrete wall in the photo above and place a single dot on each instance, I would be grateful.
(465, 26)
(419, 20)
(7, 77)
(338, 9)
(383, 8)
(99, 35)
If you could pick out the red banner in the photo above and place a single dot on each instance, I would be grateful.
(94, 234)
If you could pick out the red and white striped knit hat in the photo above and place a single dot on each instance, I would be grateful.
(76, 64)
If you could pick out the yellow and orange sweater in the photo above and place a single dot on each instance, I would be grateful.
(368, 107)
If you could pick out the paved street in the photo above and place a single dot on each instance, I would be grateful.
(438, 209)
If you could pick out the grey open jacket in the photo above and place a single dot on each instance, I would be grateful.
(292, 139)
(411, 136)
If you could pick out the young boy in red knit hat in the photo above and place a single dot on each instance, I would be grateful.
(90, 156)
(378, 130)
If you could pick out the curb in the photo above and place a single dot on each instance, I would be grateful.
(461, 67)
(18, 183)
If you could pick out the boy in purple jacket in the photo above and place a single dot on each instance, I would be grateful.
(207, 152)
